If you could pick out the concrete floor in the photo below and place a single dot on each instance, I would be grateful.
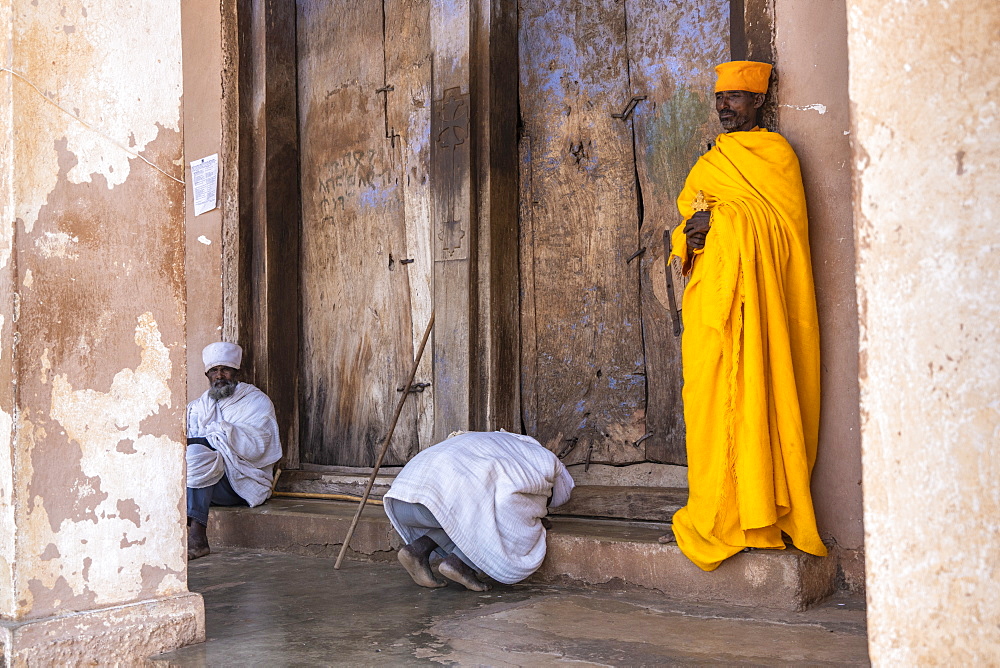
(271, 609)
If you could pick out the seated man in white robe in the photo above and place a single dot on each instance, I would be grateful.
(477, 499)
(232, 444)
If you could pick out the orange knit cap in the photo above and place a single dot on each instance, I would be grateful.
(743, 75)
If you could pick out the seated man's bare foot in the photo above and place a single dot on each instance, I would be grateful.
(197, 541)
(415, 558)
(456, 570)
(667, 538)
(198, 552)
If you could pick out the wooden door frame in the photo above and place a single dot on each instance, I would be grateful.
(260, 201)
(495, 387)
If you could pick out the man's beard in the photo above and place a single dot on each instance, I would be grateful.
(732, 121)
(221, 389)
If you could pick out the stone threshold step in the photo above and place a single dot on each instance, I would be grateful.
(581, 552)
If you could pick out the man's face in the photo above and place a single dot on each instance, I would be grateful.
(222, 381)
(738, 109)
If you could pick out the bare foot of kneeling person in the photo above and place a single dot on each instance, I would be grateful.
(456, 570)
(197, 541)
(415, 558)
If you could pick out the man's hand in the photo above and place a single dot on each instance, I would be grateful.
(696, 229)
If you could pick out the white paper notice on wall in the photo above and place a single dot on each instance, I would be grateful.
(204, 183)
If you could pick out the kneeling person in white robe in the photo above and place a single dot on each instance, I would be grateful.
(476, 499)
(232, 444)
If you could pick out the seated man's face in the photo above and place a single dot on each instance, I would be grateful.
(222, 380)
(738, 109)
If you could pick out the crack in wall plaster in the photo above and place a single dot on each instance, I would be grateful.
(89, 126)
(127, 514)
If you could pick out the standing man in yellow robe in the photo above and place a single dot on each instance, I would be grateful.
(751, 338)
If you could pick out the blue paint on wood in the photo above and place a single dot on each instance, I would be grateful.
(376, 196)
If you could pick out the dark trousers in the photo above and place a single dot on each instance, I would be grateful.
(219, 494)
(417, 516)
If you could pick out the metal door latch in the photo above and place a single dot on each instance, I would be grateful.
(635, 255)
(629, 108)
(566, 449)
(416, 387)
(642, 438)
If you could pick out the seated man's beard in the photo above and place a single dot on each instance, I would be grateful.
(221, 389)
(732, 120)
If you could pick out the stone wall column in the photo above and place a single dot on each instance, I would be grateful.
(92, 335)
(924, 85)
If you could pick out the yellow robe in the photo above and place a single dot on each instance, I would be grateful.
(751, 355)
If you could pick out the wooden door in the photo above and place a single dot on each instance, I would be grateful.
(364, 73)
(601, 373)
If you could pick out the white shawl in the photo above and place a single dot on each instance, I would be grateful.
(244, 432)
(488, 490)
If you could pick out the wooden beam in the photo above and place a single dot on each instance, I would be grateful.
(229, 167)
(452, 214)
(758, 22)
(282, 239)
(758, 30)
(737, 30)
(657, 504)
(269, 207)
(495, 378)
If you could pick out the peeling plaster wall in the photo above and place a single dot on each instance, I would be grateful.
(813, 114)
(202, 45)
(925, 95)
(6, 308)
(92, 308)
(76, 45)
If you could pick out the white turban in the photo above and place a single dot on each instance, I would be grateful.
(222, 353)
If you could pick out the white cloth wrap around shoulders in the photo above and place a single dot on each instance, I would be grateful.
(244, 432)
(488, 490)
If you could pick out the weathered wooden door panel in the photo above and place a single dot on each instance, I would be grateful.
(584, 369)
(408, 118)
(673, 48)
(362, 171)
(600, 362)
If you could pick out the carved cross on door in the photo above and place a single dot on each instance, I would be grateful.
(451, 161)
(451, 235)
(454, 119)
